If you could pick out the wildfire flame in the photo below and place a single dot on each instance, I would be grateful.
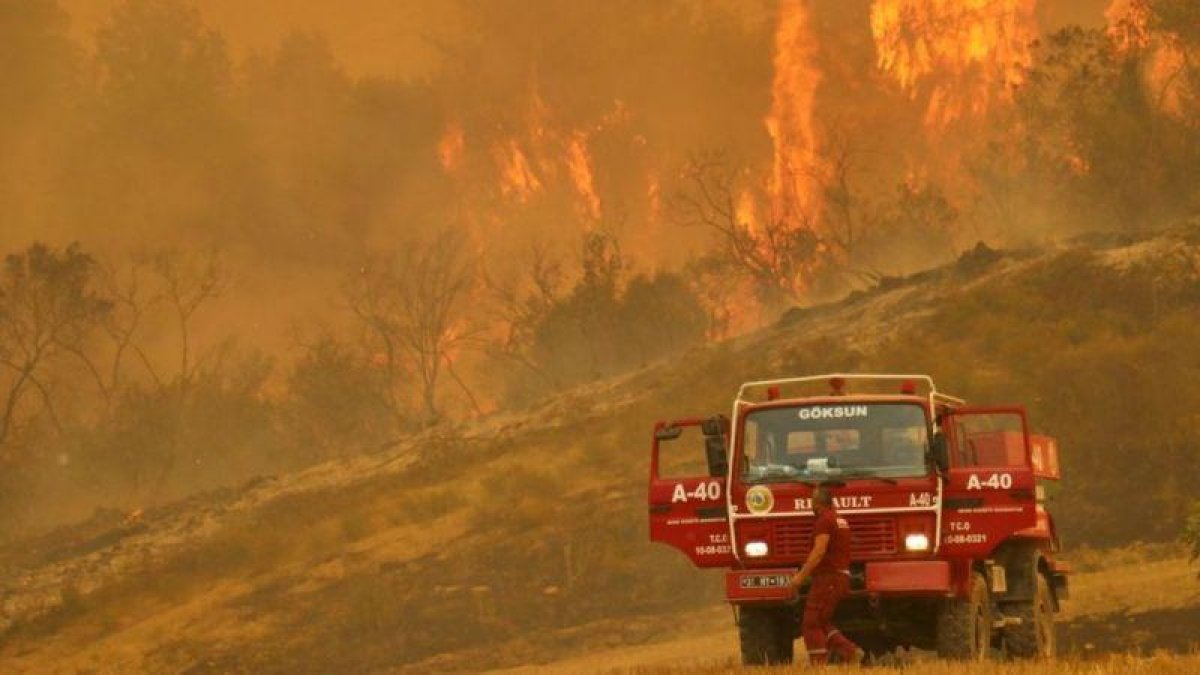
(790, 121)
(1128, 24)
(517, 179)
(1129, 31)
(451, 146)
(538, 155)
(1165, 65)
(579, 165)
(746, 213)
(654, 198)
(962, 55)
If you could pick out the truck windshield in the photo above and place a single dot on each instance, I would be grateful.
(828, 441)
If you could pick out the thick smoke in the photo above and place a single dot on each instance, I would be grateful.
(263, 189)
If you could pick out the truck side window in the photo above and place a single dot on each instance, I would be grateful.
(683, 457)
(993, 441)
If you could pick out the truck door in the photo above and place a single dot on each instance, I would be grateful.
(990, 486)
(688, 466)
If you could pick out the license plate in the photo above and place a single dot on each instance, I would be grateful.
(764, 581)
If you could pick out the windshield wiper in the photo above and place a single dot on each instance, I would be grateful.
(776, 479)
(862, 474)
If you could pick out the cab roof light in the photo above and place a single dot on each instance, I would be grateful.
(838, 386)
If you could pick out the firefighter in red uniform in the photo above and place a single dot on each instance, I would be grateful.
(829, 566)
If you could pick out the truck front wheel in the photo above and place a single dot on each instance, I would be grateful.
(1033, 638)
(964, 625)
(767, 635)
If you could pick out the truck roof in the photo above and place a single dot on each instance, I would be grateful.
(829, 399)
(846, 386)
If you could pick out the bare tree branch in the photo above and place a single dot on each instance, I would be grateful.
(47, 308)
(189, 282)
(412, 306)
(776, 253)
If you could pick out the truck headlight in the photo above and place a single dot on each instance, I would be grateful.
(756, 549)
(916, 541)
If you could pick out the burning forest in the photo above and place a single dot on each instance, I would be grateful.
(249, 239)
(553, 178)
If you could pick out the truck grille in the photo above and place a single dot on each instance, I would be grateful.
(870, 537)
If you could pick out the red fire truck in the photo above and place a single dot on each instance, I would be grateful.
(953, 549)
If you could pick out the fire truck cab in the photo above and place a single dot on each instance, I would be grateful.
(953, 549)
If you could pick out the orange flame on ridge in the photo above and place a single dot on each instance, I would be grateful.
(517, 179)
(538, 156)
(961, 54)
(579, 166)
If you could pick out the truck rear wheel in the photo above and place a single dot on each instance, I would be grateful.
(964, 625)
(767, 635)
(1034, 637)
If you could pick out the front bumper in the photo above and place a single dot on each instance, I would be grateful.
(909, 577)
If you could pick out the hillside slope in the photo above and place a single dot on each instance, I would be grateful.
(527, 529)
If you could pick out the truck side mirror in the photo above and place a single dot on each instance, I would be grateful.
(939, 451)
(714, 450)
(668, 433)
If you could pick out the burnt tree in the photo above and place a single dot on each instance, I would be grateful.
(412, 307)
(48, 308)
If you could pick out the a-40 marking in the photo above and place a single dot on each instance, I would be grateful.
(996, 481)
(708, 492)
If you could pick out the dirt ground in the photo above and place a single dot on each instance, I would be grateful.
(1133, 609)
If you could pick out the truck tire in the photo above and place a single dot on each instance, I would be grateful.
(1034, 637)
(964, 625)
(767, 635)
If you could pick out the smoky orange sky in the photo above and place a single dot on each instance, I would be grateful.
(401, 38)
(306, 142)
(371, 37)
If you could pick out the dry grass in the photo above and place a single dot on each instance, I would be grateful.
(1115, 665)
(1130, 600)
(1168, 584)
(1088, 559)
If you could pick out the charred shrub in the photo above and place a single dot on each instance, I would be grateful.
(336, 402)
